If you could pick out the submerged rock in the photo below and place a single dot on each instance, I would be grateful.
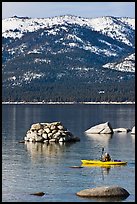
(104, 191)
(77, 167)
(49, 132)
(38, 194)
(104, 128)
(22, 141)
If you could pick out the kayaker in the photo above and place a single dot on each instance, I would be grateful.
(106, 157)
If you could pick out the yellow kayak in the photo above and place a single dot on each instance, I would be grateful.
(101, 163)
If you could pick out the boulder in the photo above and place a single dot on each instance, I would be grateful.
(121, 130)
(104, 128)
(133, 130)
(36, 126)
(104, 191)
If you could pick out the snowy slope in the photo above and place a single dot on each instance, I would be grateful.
(16, 27)
(126, 65)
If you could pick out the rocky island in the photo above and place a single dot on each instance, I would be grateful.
(49, 132)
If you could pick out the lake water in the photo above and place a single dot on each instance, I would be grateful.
(33, 167)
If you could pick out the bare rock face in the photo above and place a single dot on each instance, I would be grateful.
(104, 128)
(104, 191)
(49, 132)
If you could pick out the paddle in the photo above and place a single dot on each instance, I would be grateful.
(102, 152)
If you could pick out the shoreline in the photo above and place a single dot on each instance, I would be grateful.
(41, 102)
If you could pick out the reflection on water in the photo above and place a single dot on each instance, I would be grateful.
(121, 134)
(102, 139)
(133, 138)
(36, 149)
(104, 171)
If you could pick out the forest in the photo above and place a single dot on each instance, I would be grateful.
(78, 92)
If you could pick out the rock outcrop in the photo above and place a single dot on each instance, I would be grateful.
(104, 128)
(49, 132)
(104, 191)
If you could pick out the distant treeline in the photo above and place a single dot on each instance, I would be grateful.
(79, 92)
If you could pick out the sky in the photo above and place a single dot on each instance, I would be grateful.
(83, 9)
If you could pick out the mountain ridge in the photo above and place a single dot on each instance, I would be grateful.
(69, 49)
(45, 22)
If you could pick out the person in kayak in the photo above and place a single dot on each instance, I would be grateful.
(105, 156)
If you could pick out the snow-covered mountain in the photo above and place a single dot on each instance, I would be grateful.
(67, 48)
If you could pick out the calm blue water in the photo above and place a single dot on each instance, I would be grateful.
(35, 167)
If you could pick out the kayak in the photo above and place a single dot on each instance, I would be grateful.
(101, 163)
